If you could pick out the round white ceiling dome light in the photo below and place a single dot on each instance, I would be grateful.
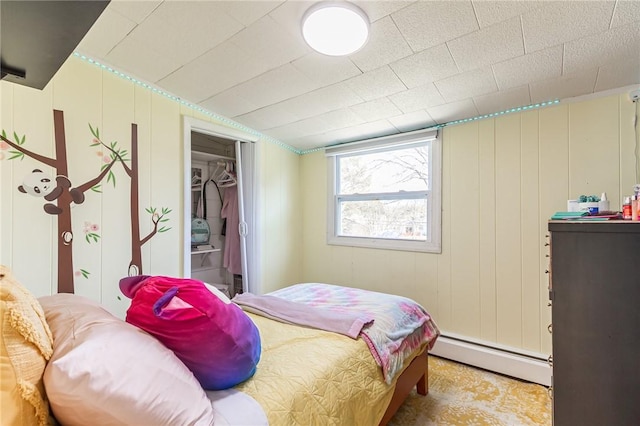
(335, 29)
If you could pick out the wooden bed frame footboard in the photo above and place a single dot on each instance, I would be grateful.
(416, 374)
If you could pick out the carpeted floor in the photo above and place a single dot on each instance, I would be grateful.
(461, 395)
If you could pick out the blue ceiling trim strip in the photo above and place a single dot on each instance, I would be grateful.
(462, 121)
(275, 141)
(187, 104)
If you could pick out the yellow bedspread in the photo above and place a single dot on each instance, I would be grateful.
(314, 377)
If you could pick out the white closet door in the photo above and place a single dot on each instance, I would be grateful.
(245, 165)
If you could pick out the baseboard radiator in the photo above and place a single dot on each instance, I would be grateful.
(510, 362)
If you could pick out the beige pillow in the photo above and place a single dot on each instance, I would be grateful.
(25, 347)
(105, 371)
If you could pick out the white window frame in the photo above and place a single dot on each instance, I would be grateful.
(433, 244)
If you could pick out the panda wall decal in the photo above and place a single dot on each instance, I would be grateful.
(40, 184)
(60, 195)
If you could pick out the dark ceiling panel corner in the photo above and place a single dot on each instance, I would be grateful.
(38, 36)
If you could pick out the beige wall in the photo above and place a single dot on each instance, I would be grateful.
(281, 236)
(502, 179)
(88, 94)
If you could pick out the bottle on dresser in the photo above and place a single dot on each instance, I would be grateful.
(635, 203)
(626, 208)
(631, 205)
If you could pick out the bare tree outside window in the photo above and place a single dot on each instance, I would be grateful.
(383, 194)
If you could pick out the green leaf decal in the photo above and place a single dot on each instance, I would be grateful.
(16, 154)
(92, 236)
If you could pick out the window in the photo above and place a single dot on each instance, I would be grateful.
(385, 193)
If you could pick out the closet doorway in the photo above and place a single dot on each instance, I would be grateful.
(220, 208)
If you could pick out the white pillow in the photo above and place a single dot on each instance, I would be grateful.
(234, 408)
(105, 371)
(215, 290)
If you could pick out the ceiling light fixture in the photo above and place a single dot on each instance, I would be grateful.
(335, 29)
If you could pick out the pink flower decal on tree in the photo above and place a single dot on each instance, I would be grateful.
(82, 273)
(114, 154)
(91, 232)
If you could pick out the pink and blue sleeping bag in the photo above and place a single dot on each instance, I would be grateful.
(213, 337)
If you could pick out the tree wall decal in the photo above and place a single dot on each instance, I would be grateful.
(135, 265)
(64, 194)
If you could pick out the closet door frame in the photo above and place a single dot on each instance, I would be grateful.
(191, 124)
(245, 208)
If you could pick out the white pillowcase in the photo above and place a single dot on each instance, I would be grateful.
(233, 408)
(215, 290)
(105, 371)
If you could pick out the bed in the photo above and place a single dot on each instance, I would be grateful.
(308, 376)
(312, 376)
(104, 371)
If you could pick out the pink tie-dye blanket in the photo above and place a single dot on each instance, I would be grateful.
(400, 325)
(348, 323)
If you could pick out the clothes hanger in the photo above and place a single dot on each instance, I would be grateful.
(226, 177)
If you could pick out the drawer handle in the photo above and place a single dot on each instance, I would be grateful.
(550, 360)
(550, 391)
(550, 328)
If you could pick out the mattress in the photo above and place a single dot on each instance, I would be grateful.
(307, 376)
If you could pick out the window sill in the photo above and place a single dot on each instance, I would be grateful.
(386, 244)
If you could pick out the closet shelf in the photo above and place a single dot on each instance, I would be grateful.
(203, 253)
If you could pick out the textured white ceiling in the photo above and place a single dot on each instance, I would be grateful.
(426, 62)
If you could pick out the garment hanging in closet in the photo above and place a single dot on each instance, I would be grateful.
(231, 259)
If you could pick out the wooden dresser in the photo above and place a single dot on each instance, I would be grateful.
(594, 287)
